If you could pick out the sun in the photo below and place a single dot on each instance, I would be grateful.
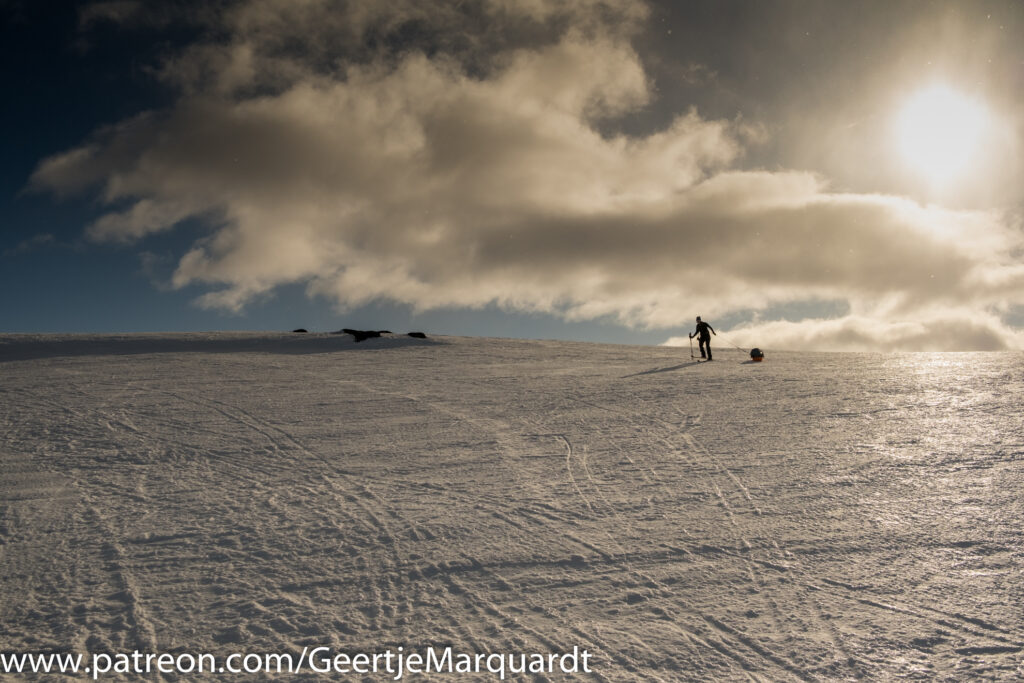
(939, 132)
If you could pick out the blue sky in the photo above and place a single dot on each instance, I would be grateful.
(803, 176)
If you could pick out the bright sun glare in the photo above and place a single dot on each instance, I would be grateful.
(939, 132)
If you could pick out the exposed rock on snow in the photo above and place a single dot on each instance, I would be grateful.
(363, 335)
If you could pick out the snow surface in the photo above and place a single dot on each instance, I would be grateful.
(812, 517)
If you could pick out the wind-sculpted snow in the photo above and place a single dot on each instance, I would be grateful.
(811, 517)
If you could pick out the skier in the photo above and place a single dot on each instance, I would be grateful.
(703, 338)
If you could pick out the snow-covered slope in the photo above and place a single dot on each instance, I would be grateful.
(815, 516)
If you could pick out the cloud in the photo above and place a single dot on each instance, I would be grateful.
(114, 11)
(443, 155)
(39, 241)
(945, 330)
(150, 14)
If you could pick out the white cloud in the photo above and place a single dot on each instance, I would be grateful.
(441, 172)
(942, 330)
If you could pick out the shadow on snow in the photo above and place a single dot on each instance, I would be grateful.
(669, 369)
(32, 347)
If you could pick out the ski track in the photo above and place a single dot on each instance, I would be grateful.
(718, 521)
(726, 634)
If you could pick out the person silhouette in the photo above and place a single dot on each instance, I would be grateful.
(703, 338)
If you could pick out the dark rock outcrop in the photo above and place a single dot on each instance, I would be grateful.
(363, 335)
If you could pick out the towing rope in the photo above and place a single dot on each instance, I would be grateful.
(731, 344)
